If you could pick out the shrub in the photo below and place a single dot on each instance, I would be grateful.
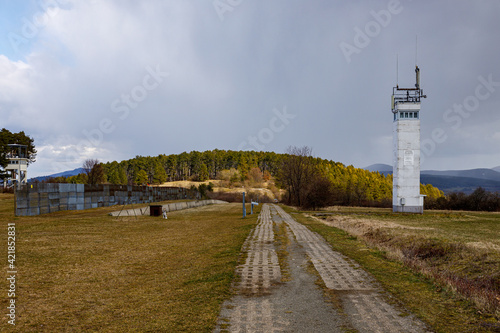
(226, 196)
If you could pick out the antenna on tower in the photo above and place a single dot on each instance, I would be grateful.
(417, 70)
(416, 45)
(397, 69)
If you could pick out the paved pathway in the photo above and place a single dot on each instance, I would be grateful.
(266, 304)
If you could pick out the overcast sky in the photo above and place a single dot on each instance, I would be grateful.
(115, 79)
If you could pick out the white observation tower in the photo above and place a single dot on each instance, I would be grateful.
(406, 195)
(17, 157)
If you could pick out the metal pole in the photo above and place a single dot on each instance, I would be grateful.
(19, 174)
(15, 200)
(244, 208)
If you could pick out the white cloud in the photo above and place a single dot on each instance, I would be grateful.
(15, 88)
(64, 153)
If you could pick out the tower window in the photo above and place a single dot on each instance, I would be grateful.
(406, 115)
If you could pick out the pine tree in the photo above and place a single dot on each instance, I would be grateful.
(122, 176)
(243, 168)
(160, 175)
(203, 175)
(141, 178)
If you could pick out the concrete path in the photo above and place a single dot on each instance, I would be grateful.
(271, 298)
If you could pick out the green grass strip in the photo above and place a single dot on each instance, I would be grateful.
(433, 304)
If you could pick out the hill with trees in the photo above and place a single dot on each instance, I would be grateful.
(323, 182)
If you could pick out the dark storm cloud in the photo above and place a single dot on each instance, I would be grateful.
(87, 85)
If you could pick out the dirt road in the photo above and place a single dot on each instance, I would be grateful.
(274, 296)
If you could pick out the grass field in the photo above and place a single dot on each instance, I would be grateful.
(86, 271)
(424, 260)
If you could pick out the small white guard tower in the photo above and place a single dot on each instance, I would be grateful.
(17, 155)
(406, 195)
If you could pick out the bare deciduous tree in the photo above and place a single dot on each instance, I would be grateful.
(94, 171)
(305, 181)
(295, 172)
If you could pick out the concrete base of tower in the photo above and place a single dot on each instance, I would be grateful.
(408, 209)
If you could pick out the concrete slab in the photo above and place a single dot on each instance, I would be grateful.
(264, 304)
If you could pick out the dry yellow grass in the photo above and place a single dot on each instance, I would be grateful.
(83, 271)
(460, 250)
(481, 230)
(218, 188)
(189, 183)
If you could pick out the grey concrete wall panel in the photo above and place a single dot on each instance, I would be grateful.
(35, 199)
(66, 188)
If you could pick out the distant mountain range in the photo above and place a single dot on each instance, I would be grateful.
(64, 174)
(453, 180)
(381, 168)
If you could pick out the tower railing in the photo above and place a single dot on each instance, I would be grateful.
(407, 95)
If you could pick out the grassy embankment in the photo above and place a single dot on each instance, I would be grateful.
(87, 271)
(444, 267)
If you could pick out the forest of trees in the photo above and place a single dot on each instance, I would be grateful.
(311, 183)
(479, 200)
(336, 183)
